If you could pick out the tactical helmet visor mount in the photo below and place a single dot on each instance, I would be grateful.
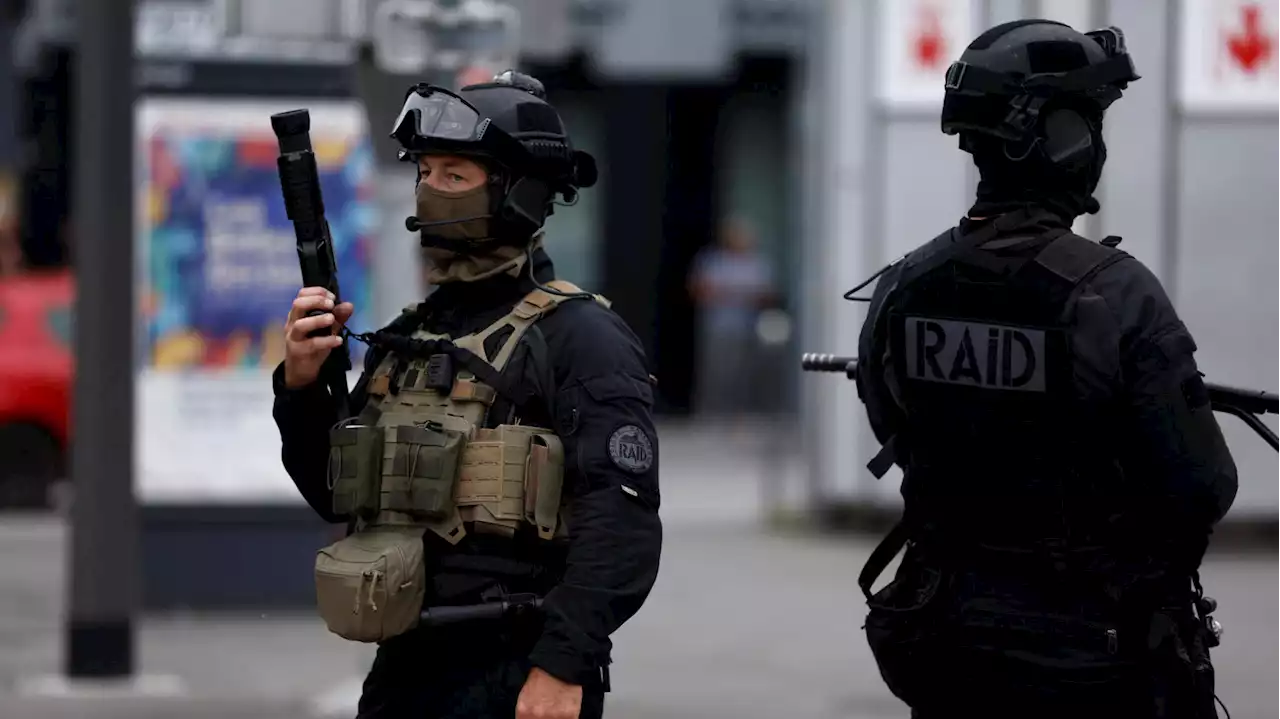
(1100, 82)
(434, 119)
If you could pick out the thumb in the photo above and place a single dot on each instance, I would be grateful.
(343, 312)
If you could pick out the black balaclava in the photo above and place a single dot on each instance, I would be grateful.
(1007, 184)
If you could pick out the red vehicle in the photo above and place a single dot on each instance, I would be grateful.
(36, 364)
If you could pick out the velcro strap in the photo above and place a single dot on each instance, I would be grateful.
(380, 385)
(465, 390)
(884, 459)
(533, 305)
(882, 556)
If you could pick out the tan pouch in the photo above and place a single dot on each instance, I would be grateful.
(544, 483)
(420, 468)
(370, 586)
(491, 479)
(355, 468)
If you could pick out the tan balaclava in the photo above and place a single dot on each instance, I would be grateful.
(475, 229)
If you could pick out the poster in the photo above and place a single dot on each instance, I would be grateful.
(918, 41)
(1228, 56)
(218, 272)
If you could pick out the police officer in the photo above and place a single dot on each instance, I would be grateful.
(1062, 465)
(501, 446)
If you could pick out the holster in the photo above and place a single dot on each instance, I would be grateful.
(1179, 666)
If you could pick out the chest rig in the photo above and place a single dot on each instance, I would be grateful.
(420, 454)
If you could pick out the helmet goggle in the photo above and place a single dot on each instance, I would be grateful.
(434, 119)
(1101, 82)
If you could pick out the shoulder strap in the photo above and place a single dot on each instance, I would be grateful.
(1068, 262)
(951, 243)
(1075, 259)
(531, 308)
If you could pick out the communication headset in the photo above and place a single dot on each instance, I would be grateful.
(1067, 139)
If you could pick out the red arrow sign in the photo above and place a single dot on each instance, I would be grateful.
(929, 43)
(1250, 46)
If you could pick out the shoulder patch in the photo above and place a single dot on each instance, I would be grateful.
(630, 449)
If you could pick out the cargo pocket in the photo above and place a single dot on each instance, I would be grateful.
(355, 467)
(420, 468)
(370, 586)
(903, 633)
(544, 483)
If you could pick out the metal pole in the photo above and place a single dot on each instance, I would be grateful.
(104, 523)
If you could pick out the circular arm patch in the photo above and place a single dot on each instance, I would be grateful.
(630, 449)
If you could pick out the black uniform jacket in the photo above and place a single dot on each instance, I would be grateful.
(1127, 340)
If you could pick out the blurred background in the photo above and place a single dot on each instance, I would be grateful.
(759, 158)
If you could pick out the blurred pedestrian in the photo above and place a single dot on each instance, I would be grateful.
(502, 456)
(1062, 466)
(730, 283)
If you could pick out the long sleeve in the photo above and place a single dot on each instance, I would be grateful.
(604, 416)
(1175, 450)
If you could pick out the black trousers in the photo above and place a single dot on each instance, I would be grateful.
(473, 672)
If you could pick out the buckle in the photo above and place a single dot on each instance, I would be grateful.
(440, 374)
(955, 75)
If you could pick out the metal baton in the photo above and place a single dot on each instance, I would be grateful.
(513, 604)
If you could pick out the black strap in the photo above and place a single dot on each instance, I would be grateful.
(947, 246)
(1076, 259)
(983, 257)
(883, 555)
(1065, 264)
(885, 458)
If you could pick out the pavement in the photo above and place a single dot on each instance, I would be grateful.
(744, 623)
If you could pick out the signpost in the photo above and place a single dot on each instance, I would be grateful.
(1228, 56)
(99, 654)
(918, 41)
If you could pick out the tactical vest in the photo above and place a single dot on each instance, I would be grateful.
(1015, 592)
(420, 458)
(994, 433)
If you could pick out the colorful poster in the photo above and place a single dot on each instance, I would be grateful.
(222, 259)
(218, 270)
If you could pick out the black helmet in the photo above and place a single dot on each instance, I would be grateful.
(1005, 77)
(506, 121)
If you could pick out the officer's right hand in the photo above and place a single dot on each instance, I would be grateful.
(304, 355)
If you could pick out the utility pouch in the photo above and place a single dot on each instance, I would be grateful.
(1179, 667)
(371, 585)
(355, 468)
(903, 632)
(419, 469)
(494, 490)
(544, 483)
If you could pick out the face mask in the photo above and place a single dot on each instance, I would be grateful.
(466, 213)
(472, 208)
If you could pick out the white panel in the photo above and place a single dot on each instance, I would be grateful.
(1076, 13)
(917, 40)
(1137, 129)
(841, 418)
